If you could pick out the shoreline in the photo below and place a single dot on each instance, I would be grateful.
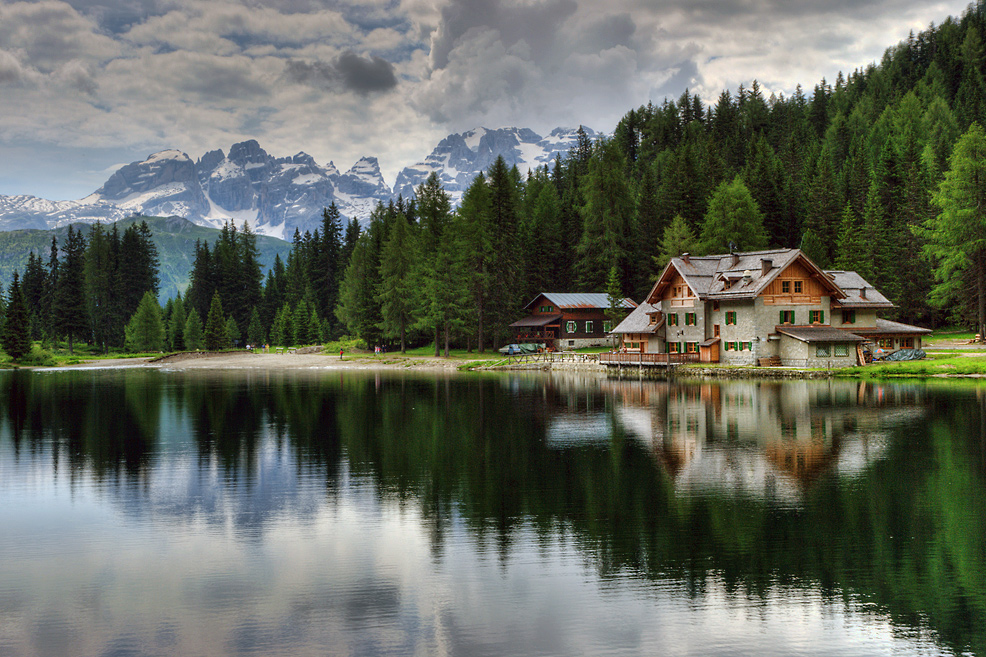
(312, 359)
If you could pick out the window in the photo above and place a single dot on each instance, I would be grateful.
(848, 316)
(730, 346)
(588, 327)
(607, 326)
(747, 346)
(907, 343)
(715, 305)
(689, 319)
(674, 348)
(715, 330)
(798, 286)
(730, 317)
(570, 327)
(840, 350)
(547, 309)
(785, 287)
(787, 317)
(822, 351)
(673, 319)
(691, 347)
(886, 343)
(816, 316)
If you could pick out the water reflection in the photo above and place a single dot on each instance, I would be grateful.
(173, 513)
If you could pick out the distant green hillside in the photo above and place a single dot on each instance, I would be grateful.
(174, 237)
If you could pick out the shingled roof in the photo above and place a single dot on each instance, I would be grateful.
(859, 293)
(580, 300)
(748, 273)
(639, 320)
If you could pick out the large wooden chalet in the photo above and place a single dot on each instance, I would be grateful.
(565, 320)
(773, 306)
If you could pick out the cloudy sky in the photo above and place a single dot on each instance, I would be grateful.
(87, 86)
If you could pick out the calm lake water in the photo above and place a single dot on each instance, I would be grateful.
(164, 513)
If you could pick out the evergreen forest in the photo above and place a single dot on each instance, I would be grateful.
(882, 171)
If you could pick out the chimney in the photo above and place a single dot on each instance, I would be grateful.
(747, 275)
(862, 293)
(684, 257)
(735, 259)
(765, 266)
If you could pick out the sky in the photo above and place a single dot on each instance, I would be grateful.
(86, 87)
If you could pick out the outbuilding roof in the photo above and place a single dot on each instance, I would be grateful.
(818, 334)
(536, 320)
(887, 327)
(639, 320)
(580, 300)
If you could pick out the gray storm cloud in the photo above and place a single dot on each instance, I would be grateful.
(349, 71)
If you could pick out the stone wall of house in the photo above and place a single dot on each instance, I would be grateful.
(795, 353)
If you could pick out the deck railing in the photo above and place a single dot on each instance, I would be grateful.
(647, 359)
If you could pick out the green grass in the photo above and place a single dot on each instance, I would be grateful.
(934, 365)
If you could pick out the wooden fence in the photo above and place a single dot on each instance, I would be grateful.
(651, 359)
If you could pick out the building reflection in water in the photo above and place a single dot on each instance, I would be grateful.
(762, 439)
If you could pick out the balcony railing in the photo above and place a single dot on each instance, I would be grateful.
(647, 359)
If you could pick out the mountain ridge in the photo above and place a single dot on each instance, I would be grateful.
(278, 195)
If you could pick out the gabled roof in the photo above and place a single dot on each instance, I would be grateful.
(859, 293)
(639, 320)
(579, 300)
(707, 275)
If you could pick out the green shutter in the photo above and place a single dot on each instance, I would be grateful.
(821, 316)
(782, 318)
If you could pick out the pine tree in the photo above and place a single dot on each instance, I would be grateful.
(733, 220)
(215, 325)
(956, 238)
(145, 330)
(14, 335)
(70, 316)
(176, 324)
(607, 221)
(255, 330)
(194, 338)
(396, 290)
(678, 239)
(232, 332)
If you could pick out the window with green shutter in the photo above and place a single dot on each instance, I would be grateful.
(672, 319)
(588, 327)
(787, 317)
(570, 327)
(730, 317)
(690, 319)
(816, 316)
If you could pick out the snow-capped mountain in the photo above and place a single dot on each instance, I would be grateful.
(460, 157)
(278, 195)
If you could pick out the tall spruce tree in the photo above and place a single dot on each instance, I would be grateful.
(397, 286)
(14, 334)
(70, 312)
(956, 238)
(215, 325)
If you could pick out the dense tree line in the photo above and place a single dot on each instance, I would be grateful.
(87, 289)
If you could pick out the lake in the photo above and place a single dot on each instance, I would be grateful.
(146, 512)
